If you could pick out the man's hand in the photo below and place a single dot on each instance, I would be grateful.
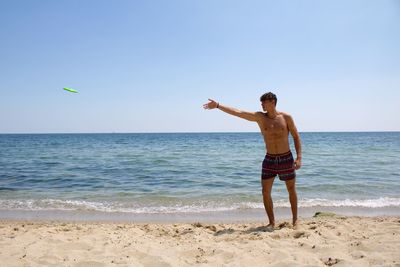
(297, 163)
(211, 105)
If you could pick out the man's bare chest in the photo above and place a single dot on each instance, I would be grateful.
(277, 125)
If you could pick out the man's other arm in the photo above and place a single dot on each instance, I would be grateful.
(296, 138)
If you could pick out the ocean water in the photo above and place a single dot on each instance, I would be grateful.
(177, 173)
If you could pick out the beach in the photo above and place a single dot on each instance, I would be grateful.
(326, 240)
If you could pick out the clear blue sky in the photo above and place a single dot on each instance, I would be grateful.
(148, 66)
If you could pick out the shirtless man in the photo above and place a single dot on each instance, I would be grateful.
(275, 127)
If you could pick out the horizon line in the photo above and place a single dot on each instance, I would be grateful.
(385, 131)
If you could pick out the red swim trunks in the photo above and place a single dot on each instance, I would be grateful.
(278, 164)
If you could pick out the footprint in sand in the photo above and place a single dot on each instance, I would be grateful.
(299, 234)
(331, 262)
(283, 225)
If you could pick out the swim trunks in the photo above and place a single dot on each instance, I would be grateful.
(278, 164)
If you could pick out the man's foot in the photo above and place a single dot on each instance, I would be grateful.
(295, 224)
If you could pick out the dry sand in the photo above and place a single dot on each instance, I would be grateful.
(321, 241)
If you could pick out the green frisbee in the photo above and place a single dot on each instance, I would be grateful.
(70, 90)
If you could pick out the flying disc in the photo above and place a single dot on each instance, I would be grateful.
(70, 90)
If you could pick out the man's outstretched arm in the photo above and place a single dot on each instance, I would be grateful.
(250, 116)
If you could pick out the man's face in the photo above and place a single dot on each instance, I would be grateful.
(268, 104)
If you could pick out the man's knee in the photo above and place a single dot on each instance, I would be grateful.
(292, 193)
(267, 186)
(291, 188)
(266, 191)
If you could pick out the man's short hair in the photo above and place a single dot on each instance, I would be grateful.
(269, 96)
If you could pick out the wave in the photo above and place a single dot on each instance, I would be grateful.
(195, 207)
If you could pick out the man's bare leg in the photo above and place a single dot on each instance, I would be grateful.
(291, 188)
(268, 204)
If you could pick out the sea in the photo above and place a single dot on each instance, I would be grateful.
(165, 177)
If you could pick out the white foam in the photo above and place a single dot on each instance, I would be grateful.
(365, 203)
(198, 207)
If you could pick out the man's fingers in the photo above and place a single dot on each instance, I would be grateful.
(297, 166)
(209, 104)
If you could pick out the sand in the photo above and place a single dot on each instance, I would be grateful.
(321, 241)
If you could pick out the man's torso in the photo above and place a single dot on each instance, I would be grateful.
(275, 132)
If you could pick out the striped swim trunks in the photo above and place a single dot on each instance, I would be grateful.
(278, 164)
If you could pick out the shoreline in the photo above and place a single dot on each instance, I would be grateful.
(234, 216)
(327, 240)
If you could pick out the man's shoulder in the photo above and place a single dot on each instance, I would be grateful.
(259, 114)
(288, 118)
(285, 114)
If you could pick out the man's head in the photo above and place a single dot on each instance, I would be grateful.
(267, 99)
